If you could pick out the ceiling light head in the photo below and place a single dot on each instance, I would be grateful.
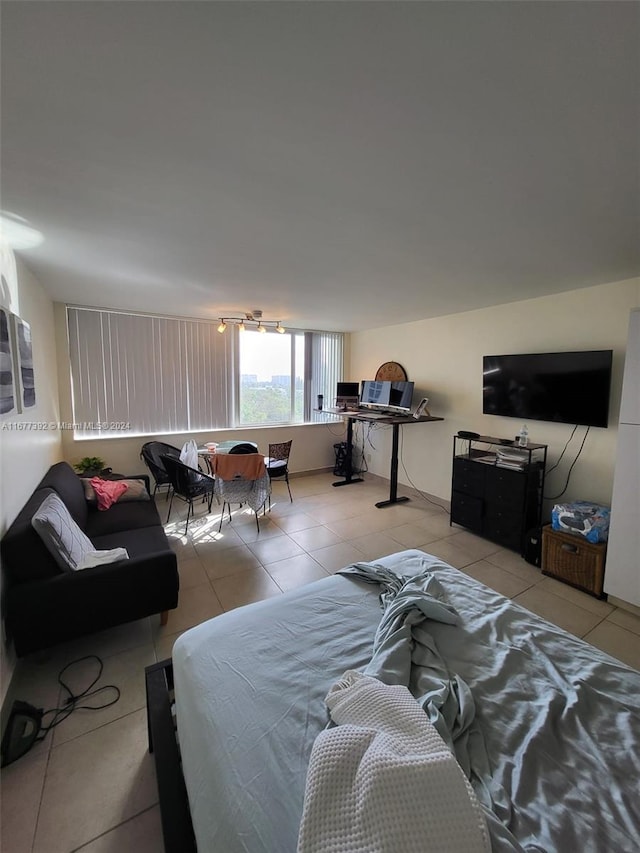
(241, 326)
(280, 328)
(222, 326)
(261, 329)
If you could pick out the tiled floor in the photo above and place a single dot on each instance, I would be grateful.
(91, 786)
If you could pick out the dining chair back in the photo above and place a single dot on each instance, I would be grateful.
(278, 462)
(241, 479)
(151, 454)
(243, 448)
(188, 484)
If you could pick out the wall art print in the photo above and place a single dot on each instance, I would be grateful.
(8, 392)
(23, 354)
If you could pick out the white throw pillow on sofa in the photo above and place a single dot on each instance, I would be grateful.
(67, 543)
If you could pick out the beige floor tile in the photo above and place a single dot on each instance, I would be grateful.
(558, 610)
(337, 512)
(95, 782)
(411, 536)
(142, 834)
(195, 605)
(21, 783)
(275, 548)
(296, 521)
(474, 544)
(376, 545)
(514, 563)
(191, 573)
(245, 588)
(438, 524)
(248, 530)
(336, 557)
(109, 642)
(625, 620)
(125, 671)
(296, 571)
(617, 642)
(395, 515)
(216, 542)
(164, 645)
(582, 599)
(315, 537)
(230, 561)
(455, 555)
(504, 582)
(358, 525)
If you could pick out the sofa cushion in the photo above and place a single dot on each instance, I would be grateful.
(139, 543)
(63, 479)
(24, 555)
(61, 535)
(122, 516)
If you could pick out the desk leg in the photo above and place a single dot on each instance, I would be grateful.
(348, 477)
(393, 488)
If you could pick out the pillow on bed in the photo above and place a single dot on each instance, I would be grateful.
(67, 543)
(136, 490)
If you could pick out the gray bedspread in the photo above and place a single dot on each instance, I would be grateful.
(546, 726)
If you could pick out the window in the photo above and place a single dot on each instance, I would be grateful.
(162, 374)
(271, 378)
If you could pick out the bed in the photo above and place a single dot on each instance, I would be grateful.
(550, 742)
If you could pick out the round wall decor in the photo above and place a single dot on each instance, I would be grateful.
(391, 371)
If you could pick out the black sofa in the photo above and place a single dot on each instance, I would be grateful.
(44, 605)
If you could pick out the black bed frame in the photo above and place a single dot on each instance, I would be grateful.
(177, 829)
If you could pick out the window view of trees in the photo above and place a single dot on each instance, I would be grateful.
(271, 383)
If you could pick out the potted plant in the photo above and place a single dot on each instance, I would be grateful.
(90, 466)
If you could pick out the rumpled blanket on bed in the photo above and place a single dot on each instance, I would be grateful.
(405, 653)
(384, 780)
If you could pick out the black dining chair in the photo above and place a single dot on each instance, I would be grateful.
(188, 484)
(151, 454)
(277, 463)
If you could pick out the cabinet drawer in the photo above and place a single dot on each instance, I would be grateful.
(504, 528)
(466, 510)
(504, 485)
(468, 477)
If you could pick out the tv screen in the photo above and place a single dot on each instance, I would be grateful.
(395, 396)
(565, 387)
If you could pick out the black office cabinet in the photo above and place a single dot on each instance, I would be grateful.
(496, 502)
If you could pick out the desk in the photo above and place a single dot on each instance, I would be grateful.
(395, 421)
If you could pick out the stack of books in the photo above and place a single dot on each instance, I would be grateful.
(511, 457)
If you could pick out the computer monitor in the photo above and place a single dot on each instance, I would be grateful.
(389, 396)
(347, 394)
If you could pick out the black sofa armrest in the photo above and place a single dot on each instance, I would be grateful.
(71, 604)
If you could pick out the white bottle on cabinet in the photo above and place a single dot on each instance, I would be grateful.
(622, 572)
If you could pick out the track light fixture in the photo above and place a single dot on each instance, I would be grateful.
(252, 319)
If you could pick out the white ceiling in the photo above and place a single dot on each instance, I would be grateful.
(340, 165)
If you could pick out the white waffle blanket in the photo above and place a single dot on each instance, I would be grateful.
(384, 781)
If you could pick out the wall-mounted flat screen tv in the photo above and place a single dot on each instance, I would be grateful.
(391, 396)
(565, 387)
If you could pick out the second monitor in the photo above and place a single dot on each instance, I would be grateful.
(390, 396)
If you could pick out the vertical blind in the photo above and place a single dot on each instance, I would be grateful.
(154, 374)
(148, 375)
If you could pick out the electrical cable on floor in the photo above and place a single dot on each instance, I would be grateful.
(566, 485)
(71, 702)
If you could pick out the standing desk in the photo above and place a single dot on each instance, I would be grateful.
(396, 421)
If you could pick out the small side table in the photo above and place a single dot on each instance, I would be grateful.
(572, 559)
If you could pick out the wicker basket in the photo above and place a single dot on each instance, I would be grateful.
(570, 558)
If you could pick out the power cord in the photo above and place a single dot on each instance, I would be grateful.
(422, 494)
(553, 467)
(566, 485)
(72, 700)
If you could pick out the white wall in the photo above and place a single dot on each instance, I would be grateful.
(443, 356)
(26, 454)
